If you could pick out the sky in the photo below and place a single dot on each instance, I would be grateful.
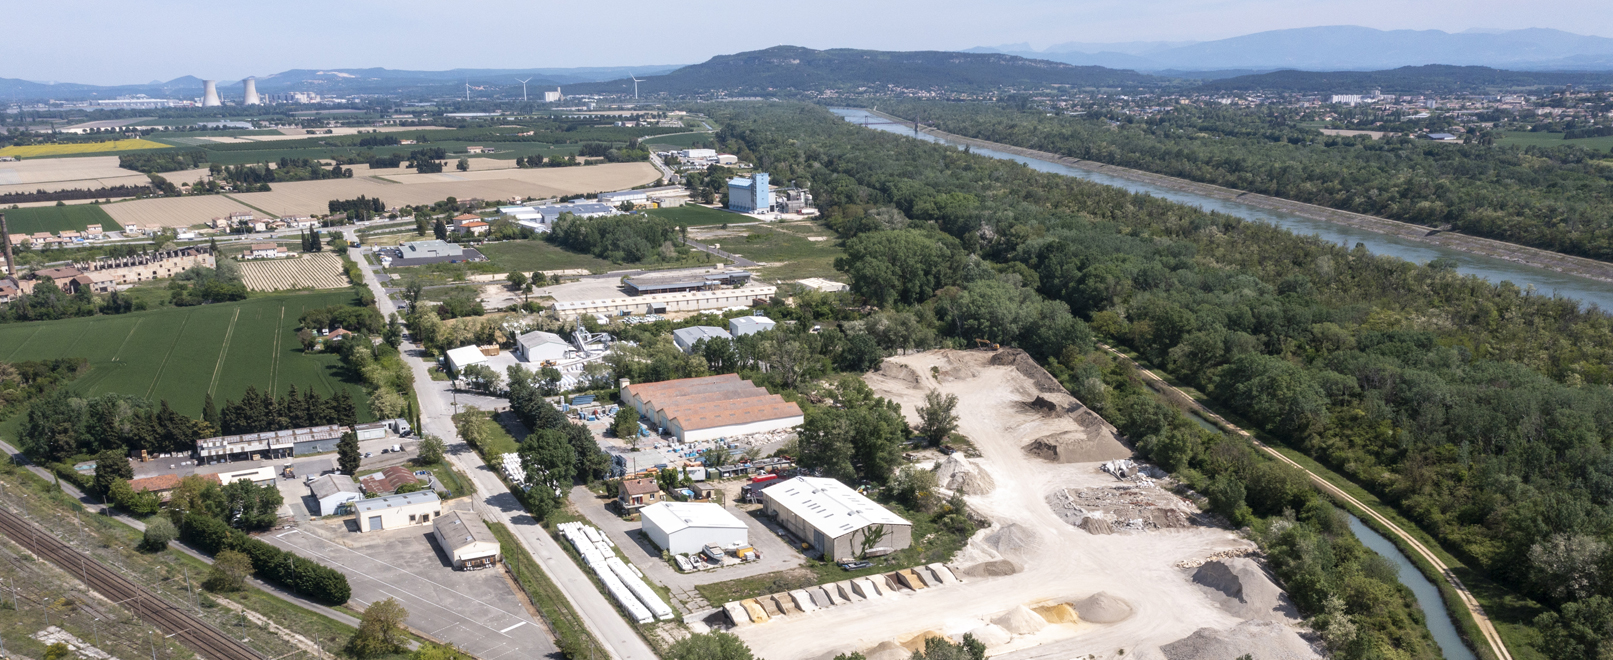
(111, 42)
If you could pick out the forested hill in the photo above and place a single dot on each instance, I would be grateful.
(788, 70)
(1430, 79)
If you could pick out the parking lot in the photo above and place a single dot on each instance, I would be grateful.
(478, 611)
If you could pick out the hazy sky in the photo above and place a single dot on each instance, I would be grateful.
(120, 42)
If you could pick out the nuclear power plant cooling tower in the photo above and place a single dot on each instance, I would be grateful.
(210, 94)
(252, 91)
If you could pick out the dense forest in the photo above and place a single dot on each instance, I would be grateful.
(1481, 411)
(618, 238)
(1552, 198)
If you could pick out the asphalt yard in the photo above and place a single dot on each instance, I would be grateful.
(478, 611)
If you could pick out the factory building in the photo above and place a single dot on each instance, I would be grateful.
(665, 303)
(466, 540)
(694, 409)
(642, 286)
(686, 338)
(750, 195)
(749, 325)
(397, 511)
(686, 527)
(838, 522)
(539, 346)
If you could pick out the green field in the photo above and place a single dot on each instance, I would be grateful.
(528, 256)
(180, 354)
(505, 151)
(796, 256)
(693, 215)
(682, 140)
(1544, 139)
(56, 218)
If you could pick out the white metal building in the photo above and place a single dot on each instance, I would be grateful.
(466, 539)
(262, 476)
(686, 527)
(839, 522)
(663, 303)
(464, 356)
(540, 346)
(686, 338)
(749, 325)
(334, 490)
(397, 511)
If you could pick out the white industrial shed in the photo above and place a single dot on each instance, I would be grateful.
(839, 522)
(686, 527)
(540, 346)
(686, 338)
(464, 356)
(466, 539)
(397, 511)
(749, 325)
(334, 490)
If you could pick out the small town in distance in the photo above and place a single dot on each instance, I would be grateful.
(1141, 334)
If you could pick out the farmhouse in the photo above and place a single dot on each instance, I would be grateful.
(265, 251)
(397, 511)
(151, 265)
(95, 282)
(466, 539)
(687, 527)
(62, 277)
(160, 484)
(334, 490)
(839, 522)
(695, 409)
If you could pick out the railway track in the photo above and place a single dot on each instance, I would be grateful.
(196, 634)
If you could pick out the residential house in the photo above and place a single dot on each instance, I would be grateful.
(639, 493)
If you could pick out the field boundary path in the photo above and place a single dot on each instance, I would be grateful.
(223, 351)
(599, 616)
(1492, 637)
(1489, 247)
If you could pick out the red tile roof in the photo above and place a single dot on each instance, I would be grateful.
(158, 484)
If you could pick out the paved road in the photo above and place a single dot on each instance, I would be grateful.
(598, 614)
(1486, 627)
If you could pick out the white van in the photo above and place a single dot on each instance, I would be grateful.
(397, 448)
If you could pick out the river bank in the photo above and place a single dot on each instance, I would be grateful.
(1519, 254)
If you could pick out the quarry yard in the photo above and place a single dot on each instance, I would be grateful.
(1153, 581)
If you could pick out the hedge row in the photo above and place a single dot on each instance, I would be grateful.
(302, 576)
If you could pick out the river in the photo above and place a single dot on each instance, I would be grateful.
(1543, 281)
(1495, 270)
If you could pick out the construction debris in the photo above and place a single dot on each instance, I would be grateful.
(1129, 508)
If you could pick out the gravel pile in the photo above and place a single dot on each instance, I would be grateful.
(888, 650)
(960, 476)
(1103, 607)
(1262, 640)
(1013, 540)
(1021, 621)
(1088, 445)
(993, 568)
(1244, 590)
(991, 635)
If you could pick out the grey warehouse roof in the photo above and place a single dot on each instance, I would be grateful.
(461, 528)
(390, 501)
(694, 334)
(332, 484)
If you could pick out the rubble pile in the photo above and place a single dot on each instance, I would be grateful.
(1134, 507)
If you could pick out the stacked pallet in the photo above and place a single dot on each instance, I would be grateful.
(624, 582)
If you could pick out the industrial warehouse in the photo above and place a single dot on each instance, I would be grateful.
(696, 409)
(683, 528)
(839, 522)
(466, 540)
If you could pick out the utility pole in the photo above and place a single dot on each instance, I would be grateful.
(194, 603)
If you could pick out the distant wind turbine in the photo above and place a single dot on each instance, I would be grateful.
(467, 90)
(636, 81)
(523, 89)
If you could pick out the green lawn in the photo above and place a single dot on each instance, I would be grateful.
(528, 256)
(796, 256)
(57, 218)
(179, 354)
(694, 215)
(1544, 139)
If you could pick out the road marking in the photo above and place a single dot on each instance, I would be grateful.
(518, 625)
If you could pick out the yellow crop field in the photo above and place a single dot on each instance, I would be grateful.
(41, 150)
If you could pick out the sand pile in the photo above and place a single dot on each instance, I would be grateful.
(899, 372)
(1013, 540)
(1021, 621)
(1026, 365)
(1088, 445)
(916, 642)
(1103, 607)
(993, 568)
(957, 474)
(1244, 590)
(1262, 640)
(887, 650)
(1058, 613)
(991, 635)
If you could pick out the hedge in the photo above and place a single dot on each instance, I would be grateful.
(302, 576)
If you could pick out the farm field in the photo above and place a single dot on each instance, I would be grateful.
(180, 354)
(322, 270)
(33, 174)
(1544, 139)
(175, 211)
(56, 218)
(43, 150)
(273, 151)
(535, 255)
(681, 140)
(692, 215)
(788, 255)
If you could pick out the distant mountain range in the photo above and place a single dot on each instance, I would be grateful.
(1343, 47)
(337, 82)
(783, 70)
(1430, 79)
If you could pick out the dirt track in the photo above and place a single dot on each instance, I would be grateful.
(1060, 562)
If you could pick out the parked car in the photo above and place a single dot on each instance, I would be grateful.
(855, 565)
